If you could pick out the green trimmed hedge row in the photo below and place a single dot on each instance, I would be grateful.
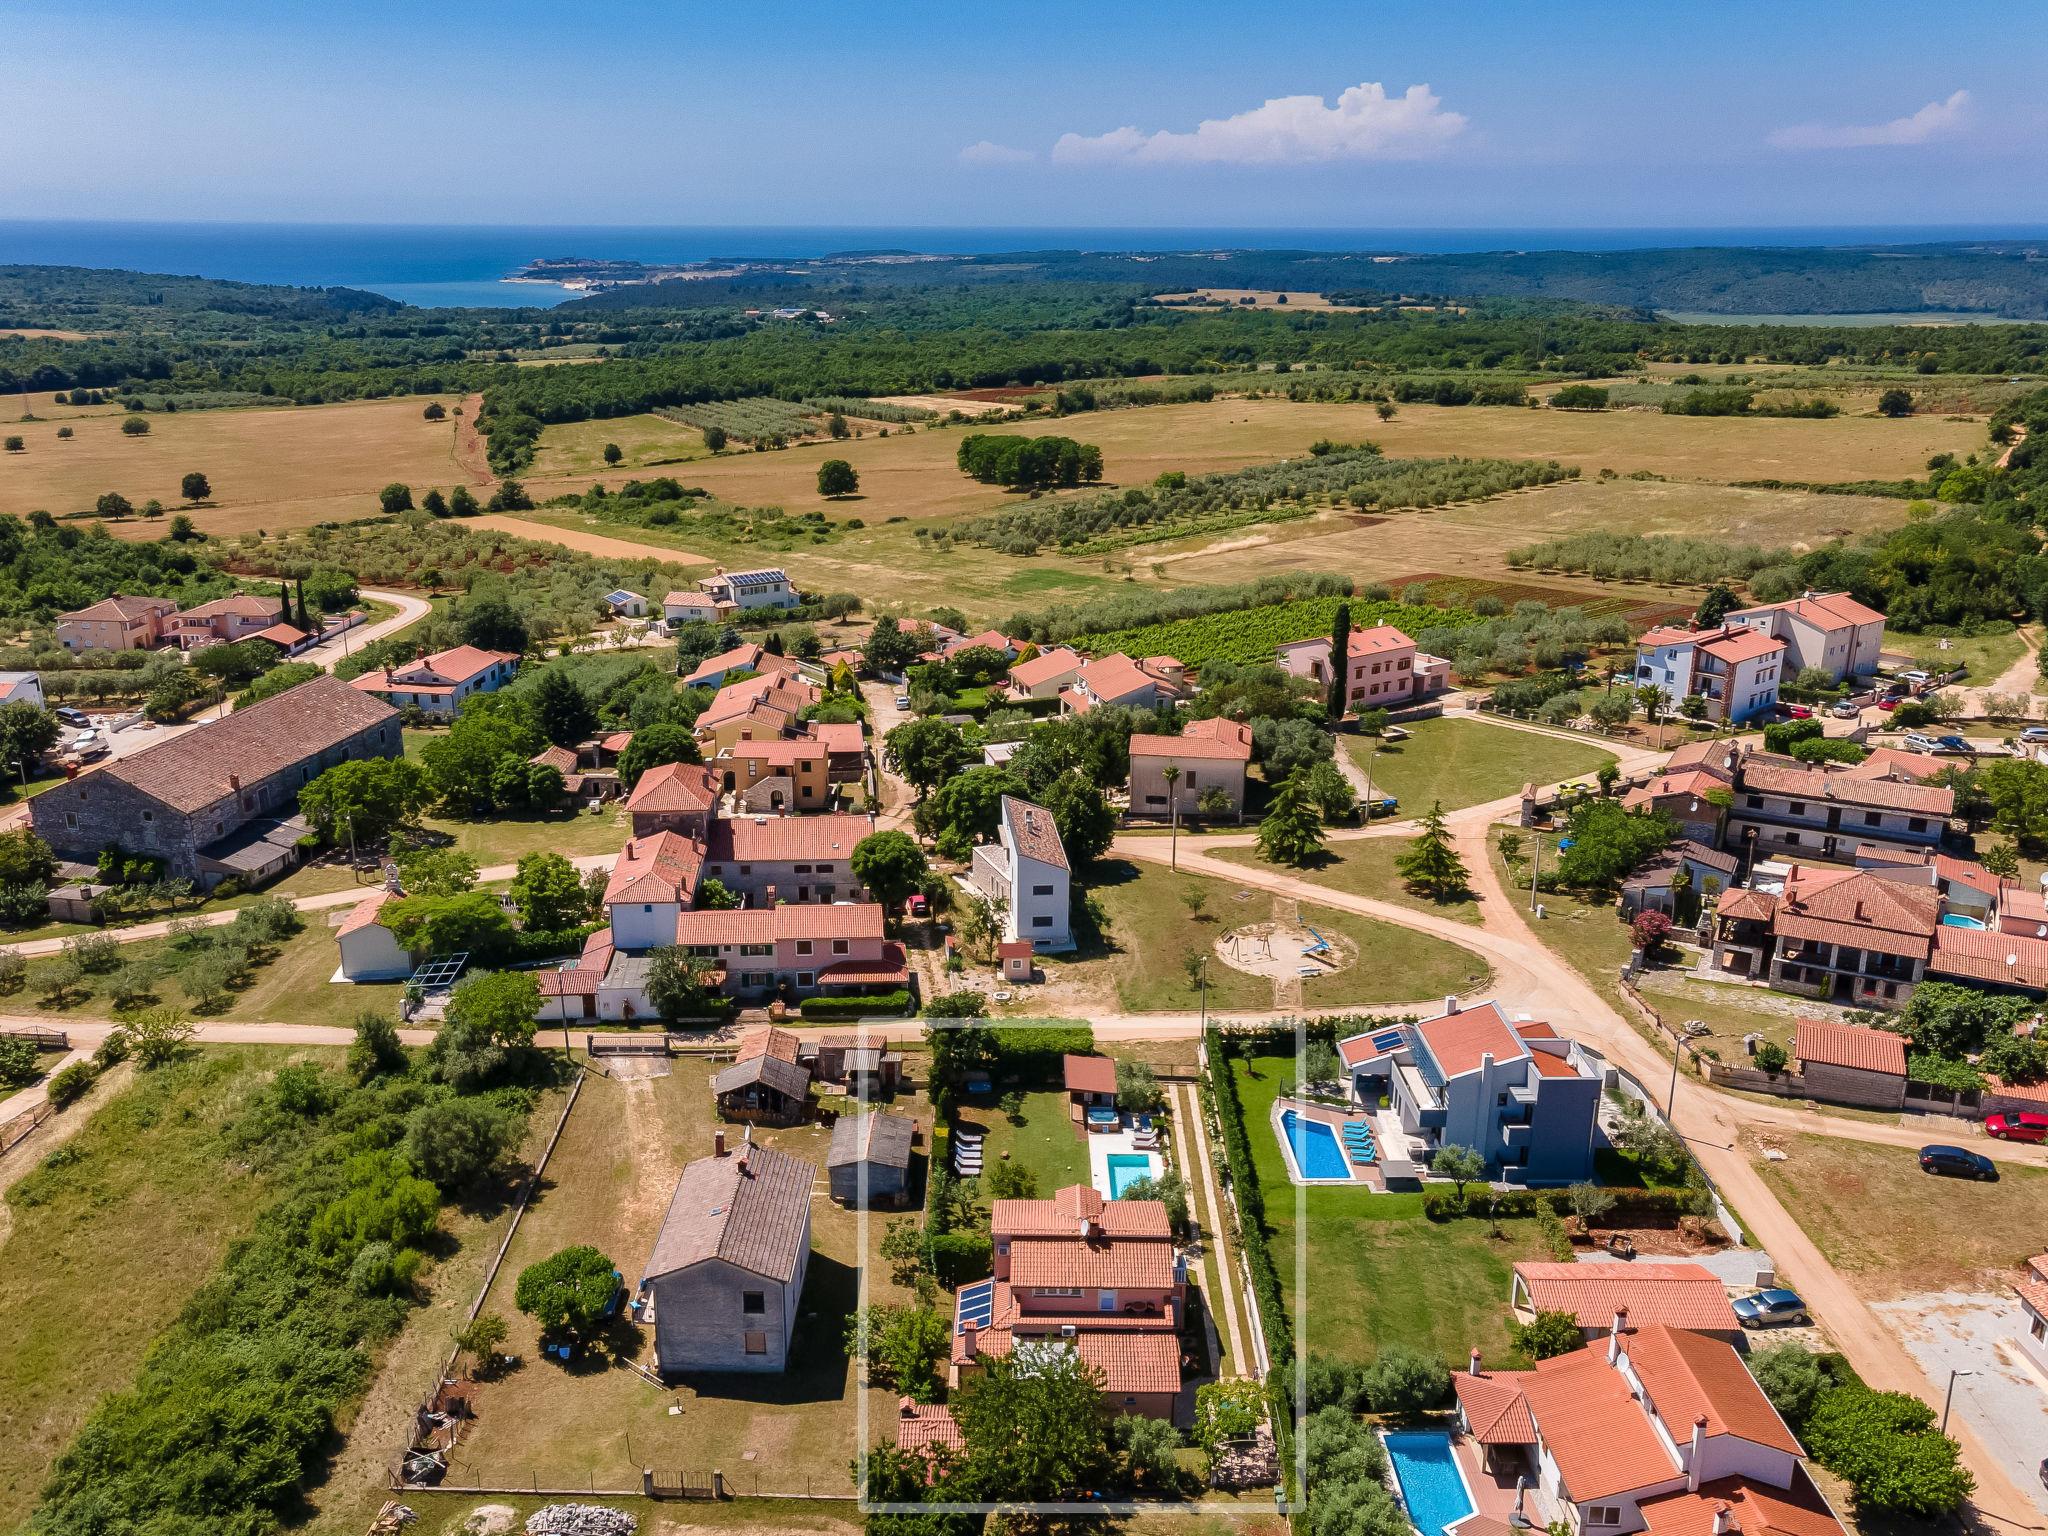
(857, 1007)
(1442, 1202)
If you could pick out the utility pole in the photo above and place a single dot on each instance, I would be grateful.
(1370, 758)
(1535, 863)
(1950, 1396)
(1671, 1098)
(1171, 774)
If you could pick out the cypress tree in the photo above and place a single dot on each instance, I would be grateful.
(1340, 662)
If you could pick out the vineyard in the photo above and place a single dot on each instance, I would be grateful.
(760, 419)
(1652, 558)
(1251, 634)
(869, 410)
(1176, 506)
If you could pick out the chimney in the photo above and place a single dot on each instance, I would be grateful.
(1614, 1334)
(718, 1143)
(1486, 1063)
(970, 1338)
(234, 781)
(906, 1407)
(1692, 1469)
(1451, 1006)
(1724, 1518)
(1473, 1367)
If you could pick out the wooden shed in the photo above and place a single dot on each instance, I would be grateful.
(871, 1152)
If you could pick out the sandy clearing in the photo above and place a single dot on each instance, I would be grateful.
(946, 403)
(39, 333)
(587, 543)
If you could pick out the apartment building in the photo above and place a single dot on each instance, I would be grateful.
(1026, 869)
(1735, 669)
(1828, 630)
(1383, 668)
(116, 623)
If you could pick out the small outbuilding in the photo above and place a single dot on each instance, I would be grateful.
(1848, 1064)
(764, 1090)
(369, 950)
(871, 1155)
(1018, 960)
(1090, 1080)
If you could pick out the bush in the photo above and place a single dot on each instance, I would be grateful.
(1792, 1378)
(1550, 1334)
(1884, 1445)
(1334, 1383)
(1770, 1057)
(568, 1292)
(957, 1257)
(892, 1003)
(1226, 1410)
(18, 1061)
(72, 1083)
(1404, 1381)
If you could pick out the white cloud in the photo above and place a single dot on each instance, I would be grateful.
(987, 153)
(1365, 124)
(1935, 120)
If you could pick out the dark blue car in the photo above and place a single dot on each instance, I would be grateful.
(1957, 1163)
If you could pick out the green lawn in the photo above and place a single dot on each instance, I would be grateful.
(1985, 655)
(1363, 867)
(1044, 1141)
(102, 1242)
(1466, 762)
(1377, 1272)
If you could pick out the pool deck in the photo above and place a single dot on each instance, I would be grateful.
(1102, 1145)
(1367, 1175)
(1492, 1493)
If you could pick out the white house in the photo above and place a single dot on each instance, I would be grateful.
(1044, 675)
(437, 684)
(21, 688)
(625, 605)
(1735, 669)
(689, 608)
(769, 587)
(369, 950)
(2032, 1290)
(1828, 630)
(1026, 868)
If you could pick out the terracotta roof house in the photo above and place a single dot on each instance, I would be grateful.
(1384, 670)
(369, 950)
(929, 1429)
(1688, 1296)
(116, 623)
(727, 1269)
(673, 797)
(226, 619)
(2032, 1290)
(1101, 1278)
(220, 799)
(689, 608)
(1026, 867)
(1848, 1064)
(1046, 674)
(1210, 755)
(714, 670)
(1735, 671)
(1828, 630)
(1651, 883)
(754, 708)
(1118, 679)
(1660, 1430)
(1090, 1082)
(869, 1163)
(437, 684)
(1809, 811)
(1513, 1089)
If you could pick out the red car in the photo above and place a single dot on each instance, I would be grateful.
(1887, 703)
(2025, 1126)
(1796, 711)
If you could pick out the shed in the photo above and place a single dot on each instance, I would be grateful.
(764, 1089)
(1018, 960)
(871, 1151)
(77, 902)
(1090, 1080)
(369, 950)
(1848, 1064)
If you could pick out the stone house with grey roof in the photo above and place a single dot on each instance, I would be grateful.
(726, 1275)
(220, 799)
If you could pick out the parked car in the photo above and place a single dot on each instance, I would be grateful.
(2034, 735)
(1889, 702)
(1957, 1163)
(1915, 677)
(902, 701)
(1920, 741)
(1796, 711)
(2024, 1126)
(73, 717)
(919, 907)
(1844, 710)
(1768, 1308)
(1952, 745)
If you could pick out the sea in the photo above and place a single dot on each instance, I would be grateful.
(444, 265)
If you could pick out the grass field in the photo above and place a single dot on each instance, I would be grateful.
(649, 444)
(1151, 933)
(1042, 1141)
(282, 468)
(1363, 867)
(609, 1185)
(1378, 1273)
(102, 1243)
(1895, 1231)
(1467, 762)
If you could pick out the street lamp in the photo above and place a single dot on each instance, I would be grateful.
(1171, 773)
(1950, 1396)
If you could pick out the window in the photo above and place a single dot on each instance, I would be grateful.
(755, 1343)
(757, 950)
(149, 816)
(754, 1303)
(1041, 922)
(1755, 802)
(824, 869)
(1603, 1514)
(803, 946)
(839, 947)
(1105, 1301)
(704, 951)
(71, 819)
(1797, 808)
(1057, 1290)
(1189, 780)
(1872, 819)
(807, 978)
(754, 979)
(1916, 824)
(1041, 890)
(1155, 799)
(2039, 1328)
(648, 908)
(803, 869)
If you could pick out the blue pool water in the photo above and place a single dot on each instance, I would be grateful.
(1316, 1152)
(1429, 1479)
(1125, 1169)
(1957, 920)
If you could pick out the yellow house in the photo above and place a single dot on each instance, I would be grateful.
(782, 775)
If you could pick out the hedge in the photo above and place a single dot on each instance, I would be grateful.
(1030, 1053)
(857, 1007)
(1441, 1202)
(958, 1257)
(1251, 1204)
(1282, 1035)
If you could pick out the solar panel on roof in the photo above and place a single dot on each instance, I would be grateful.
(1387, 1040)
(977, 1303)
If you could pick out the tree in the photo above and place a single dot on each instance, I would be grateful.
(241, 661)
(1401, 1380)
(652, 745)
(376, 1051)
(181, 530)
(1895, 402)
(612, 453)
(568, 1293)
(680, 986)
(2002, 860)
(456, 1142)
(492, 624)
(135, 426)
(1011, 1181)
(1149, 1449)
(1792, 1378)
(1087, 826)
(158, 1035)
(112, 504)
(1320, 1063)
(561, 709)
(1715, 606)
(1226, 1410)
(435, 411)
(1430, 865)
(891, 865)
(1885, 1446)
(715, 439)
(1331, 792)
(462, 502)
(1372, 722)
(1340, 664)
(482, 1337)
(926, 752)
(19, 1064)
(27, 731)
(1036, 1427)
(1579, 397)
(446, 925)
(2015, 1059)
(195, 487)
(1589, 1202)
(1608, 842)
(1386, 410)
(25, 859)
(837, 478)
(1650, 929)
(395, 498)
(1283, 745)
(1460, 1164)
(501, 1006)
(152, 509)
(1291, 832)
(366, 798)
(2018, 791)
(968, 807)
(434, 504)
(1547, 1335)
(549, 893)
(16, 443)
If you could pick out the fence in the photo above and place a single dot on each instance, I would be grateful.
(597, 1046)
(42, 1039)
(22, 1126)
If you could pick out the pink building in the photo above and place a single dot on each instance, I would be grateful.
(1386, 670)
(226, 619)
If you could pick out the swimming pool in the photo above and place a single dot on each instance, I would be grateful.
(1431, 1484)
(1314, 1144)
(1957, 920)
(1125, 1169)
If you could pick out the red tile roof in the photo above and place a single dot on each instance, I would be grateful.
(1753, 906)
(1738, 644)
(1044, 667)
(1890, 763)
(1088, 1074)
(1104, 1263)
(920, 1427)
(121, 609)
(458, 664)
(1377, 641)
(1689, 1374)
(1033, 832)
(2032, 1285)
(1848, 1045)
(1594, 1428)
(2003, 959)
(364, 913)
(1217, 740)
(741, 658)
(1831, 610)
(1772, 776)
(782, 752)
(767, 925)
(660, 869)
(766, 1041)
(669, 788)
(1116, 677)
(891, 970)
(1458, 1040)
(1858, 908)
(1063, 1213)
(785, 839)
(1673, 1295)
(1748, 1508)
(1495, 1409)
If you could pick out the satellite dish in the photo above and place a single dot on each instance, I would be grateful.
(2012, 959)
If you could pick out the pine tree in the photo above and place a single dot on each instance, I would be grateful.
(1340, 662)
(1430, 864)
(1292, 832)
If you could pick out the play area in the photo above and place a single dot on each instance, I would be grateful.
(1285, 951)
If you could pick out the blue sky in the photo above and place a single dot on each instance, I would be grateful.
(1503, 114)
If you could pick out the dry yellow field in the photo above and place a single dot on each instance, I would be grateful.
(1261, 298)
(915, 476)
(650, 444)
(283, 468)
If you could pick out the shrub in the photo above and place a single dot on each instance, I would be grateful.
(892, 1003)
(1792, 1378)
(1770, 1057)
(957, 1257)
(1885, 1446)
(18, 1061)
(1404, 1381)
(1226, 1410)
(1548, 1335)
